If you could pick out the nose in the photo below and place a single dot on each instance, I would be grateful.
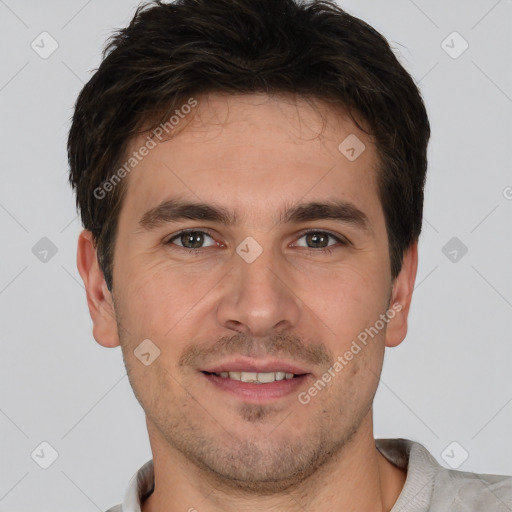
(258, 297)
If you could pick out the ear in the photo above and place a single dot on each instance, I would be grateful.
(99, 298)
(401, 297)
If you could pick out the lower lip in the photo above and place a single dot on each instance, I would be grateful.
(257, 393)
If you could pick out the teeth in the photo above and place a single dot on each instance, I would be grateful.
(249, 377)
(266, 377)
(257, 378)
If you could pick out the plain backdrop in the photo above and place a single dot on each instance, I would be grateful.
(449, 382)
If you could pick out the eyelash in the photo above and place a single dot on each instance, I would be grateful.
(326, 250)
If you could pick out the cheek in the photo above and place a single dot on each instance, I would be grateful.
(351, 385)
(346, 300)
(161, 302)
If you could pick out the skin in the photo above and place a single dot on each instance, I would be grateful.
(255, 155)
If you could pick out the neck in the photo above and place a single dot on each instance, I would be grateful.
(357, 478)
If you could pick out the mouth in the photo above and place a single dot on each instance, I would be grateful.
(256, 377)
(257, 383)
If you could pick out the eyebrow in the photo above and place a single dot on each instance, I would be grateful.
(174, 210)
(339, 210)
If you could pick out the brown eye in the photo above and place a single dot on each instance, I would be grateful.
(317, 240)
(191, 239)
(320, 240)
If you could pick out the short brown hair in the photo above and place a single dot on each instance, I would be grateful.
(170, 52)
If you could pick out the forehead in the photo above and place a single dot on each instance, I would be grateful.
(252, 152)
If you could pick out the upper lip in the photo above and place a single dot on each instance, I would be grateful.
(253, 365)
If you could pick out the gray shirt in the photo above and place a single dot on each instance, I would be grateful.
(428, 487)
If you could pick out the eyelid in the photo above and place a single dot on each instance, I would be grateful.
(339, 238)
(206, 231)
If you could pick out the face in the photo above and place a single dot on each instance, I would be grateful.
(250, 247)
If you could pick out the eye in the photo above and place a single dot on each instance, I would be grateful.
(320, 240)
(191, 239)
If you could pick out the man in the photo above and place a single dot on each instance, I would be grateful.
(250, 178)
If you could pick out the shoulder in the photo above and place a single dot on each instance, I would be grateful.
(430, 484)
(472, 491)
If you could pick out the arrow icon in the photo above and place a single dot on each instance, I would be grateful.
(454, 249)
(351, 147)
(44, 250)
(44, 455)
(44, 45)
(454, 45)
(146, 352)
(454, 455)
(249, 249)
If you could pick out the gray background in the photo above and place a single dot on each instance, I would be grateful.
(449, 381)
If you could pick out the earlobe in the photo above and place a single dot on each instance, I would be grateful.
(401, 297)
(99, 299)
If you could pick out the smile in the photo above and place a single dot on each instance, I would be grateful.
(256, 377)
